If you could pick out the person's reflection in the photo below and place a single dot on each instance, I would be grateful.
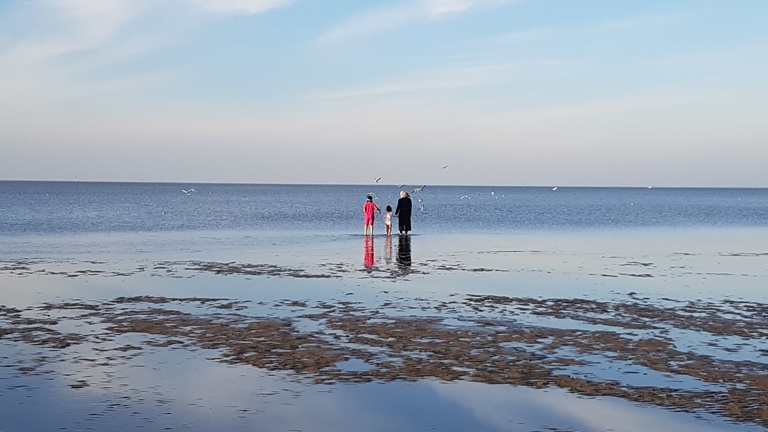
(388, 250)
(404, 252)
(368, 259)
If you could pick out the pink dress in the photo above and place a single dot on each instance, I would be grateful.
(368, 209)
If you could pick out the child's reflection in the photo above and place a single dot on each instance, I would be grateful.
(368, 259)
(388, 250)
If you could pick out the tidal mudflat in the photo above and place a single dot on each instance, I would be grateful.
(561, 332)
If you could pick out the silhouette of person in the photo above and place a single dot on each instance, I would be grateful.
(404, 251)
(403, 213)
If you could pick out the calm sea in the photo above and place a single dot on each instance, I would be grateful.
(44, 208)
(603, 244)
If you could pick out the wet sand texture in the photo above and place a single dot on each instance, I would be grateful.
(396, 347)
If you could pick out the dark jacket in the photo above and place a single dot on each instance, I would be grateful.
(403, 213)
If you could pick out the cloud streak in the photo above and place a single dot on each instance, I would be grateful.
(427, 81)
(249, 7)
(382, 20)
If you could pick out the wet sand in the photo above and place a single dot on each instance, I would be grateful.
(311, 333)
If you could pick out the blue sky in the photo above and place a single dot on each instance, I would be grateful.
(503, 92)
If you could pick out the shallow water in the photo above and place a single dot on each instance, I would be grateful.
(187, 392)
(679, 269)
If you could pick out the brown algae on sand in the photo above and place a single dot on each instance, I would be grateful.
(396, 347)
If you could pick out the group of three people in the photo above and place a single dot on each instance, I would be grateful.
(402, 213)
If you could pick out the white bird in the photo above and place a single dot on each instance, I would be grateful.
(188, 191)
(419, 189)
(554, 188)
(465, 197)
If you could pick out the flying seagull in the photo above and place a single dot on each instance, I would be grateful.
(419, 189)
(376, 179)
(188, 191)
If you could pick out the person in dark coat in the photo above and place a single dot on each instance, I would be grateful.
(403, 213)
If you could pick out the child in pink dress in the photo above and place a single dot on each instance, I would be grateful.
(368, 208)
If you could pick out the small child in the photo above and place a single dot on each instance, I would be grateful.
(388, 220)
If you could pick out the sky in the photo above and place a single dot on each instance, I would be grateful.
(460, 92)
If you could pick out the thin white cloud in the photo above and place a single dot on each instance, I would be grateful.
(72, 26)
(524, 36)
(445, 79)
(550, 33)
(371, 22)
(70, 39)
(239, 6)
(440, 8)
(96, 21)
(639, 23)
(444, 8)
(79, 25)
(425, 82)
(385, 19)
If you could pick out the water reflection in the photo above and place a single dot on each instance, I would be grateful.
(368, 259)
(204, 396)
(388, 250)
(404, 251)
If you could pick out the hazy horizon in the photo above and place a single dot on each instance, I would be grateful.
(398, 186)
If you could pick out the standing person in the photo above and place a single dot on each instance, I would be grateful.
(388, 220)
(368, 208)
(403, 213)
